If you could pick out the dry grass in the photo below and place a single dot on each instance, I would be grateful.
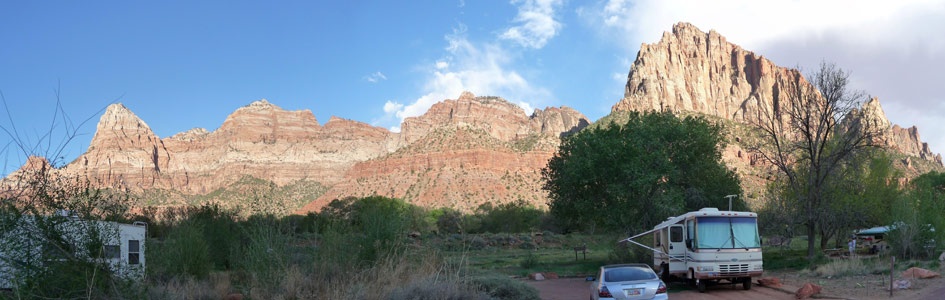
(848, 267)
(395, 277)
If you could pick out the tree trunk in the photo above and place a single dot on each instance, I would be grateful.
(811, 235)
(824, 239)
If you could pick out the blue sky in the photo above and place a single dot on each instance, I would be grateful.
(186, 64)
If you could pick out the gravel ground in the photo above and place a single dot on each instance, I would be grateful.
(577, 288)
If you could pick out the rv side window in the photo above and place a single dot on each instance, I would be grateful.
(134, 251)
(112, 251)
(675, 234)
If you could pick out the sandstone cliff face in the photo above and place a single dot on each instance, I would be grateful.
(501, 119)
(462, 153)
(689, 70)
(260, 140)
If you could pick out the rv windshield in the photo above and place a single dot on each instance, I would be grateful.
(727, 233)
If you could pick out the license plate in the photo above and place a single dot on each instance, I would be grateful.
(633, 292)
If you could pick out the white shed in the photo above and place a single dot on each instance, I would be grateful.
(124, 246)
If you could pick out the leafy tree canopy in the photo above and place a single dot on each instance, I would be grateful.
(633, 175)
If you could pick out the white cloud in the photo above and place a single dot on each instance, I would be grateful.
(634, 21)
(526, 107)
(484, 69)
(395, 129)
(391, 106)
(892, 47)
(537, 23)
(375, 77)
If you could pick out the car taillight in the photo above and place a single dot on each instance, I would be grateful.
(662, 288)
(604, 293)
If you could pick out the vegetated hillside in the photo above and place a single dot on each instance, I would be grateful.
(248, 195)
(264, 151)
(691, 72)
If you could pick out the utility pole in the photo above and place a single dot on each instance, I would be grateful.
(730, 201)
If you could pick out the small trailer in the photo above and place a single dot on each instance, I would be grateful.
(123, 250)
(707, 246)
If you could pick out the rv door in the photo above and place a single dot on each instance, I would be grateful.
(677, 249)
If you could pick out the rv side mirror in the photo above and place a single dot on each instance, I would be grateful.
(761, 240)
(688, 243)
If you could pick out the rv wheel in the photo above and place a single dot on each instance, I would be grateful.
(664, 272)
(700, 285)
(746, 283)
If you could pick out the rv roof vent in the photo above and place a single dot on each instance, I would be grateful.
(709, 209)
(139, 223)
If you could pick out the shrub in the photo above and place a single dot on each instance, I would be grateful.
(527, 245)
(502, 287)
(434, 289)
(530, 261)
(183, 253)
(477, 243)
(850, 267)
(510, 217)
(449, 221)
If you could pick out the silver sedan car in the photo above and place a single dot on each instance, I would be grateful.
(627, 281)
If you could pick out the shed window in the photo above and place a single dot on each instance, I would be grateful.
(134, 252)
(112, 251)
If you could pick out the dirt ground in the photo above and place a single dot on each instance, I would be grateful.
(866, 286)
(928, 289)
(577, 288)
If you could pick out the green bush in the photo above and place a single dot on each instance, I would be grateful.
(477, 243)
(437, 289)
(185, 252)
(530, 261)
(502, 287)
(527, 245)
(512, 217)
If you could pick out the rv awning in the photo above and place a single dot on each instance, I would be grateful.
(874, 231)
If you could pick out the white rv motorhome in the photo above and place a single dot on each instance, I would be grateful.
(707, 246)
(124, 249)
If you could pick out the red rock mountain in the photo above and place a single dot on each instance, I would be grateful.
(692, 71)
(462, 153)
(259, 140)
(458, 154)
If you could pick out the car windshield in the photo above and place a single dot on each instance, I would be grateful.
(628, 274)
(727, 233)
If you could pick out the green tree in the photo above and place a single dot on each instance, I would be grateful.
(918, 225)
(632, 176)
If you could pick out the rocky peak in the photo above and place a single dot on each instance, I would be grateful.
(690, 70)
(264, 121)
(119, 123)
(498, 117)
(558, 121)
(872, 112)
(192, 134)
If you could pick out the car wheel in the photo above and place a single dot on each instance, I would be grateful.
(746, 283)
(701, 285)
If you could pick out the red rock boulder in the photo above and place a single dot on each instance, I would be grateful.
(919, 273)
(807, 290)
(769, 281)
